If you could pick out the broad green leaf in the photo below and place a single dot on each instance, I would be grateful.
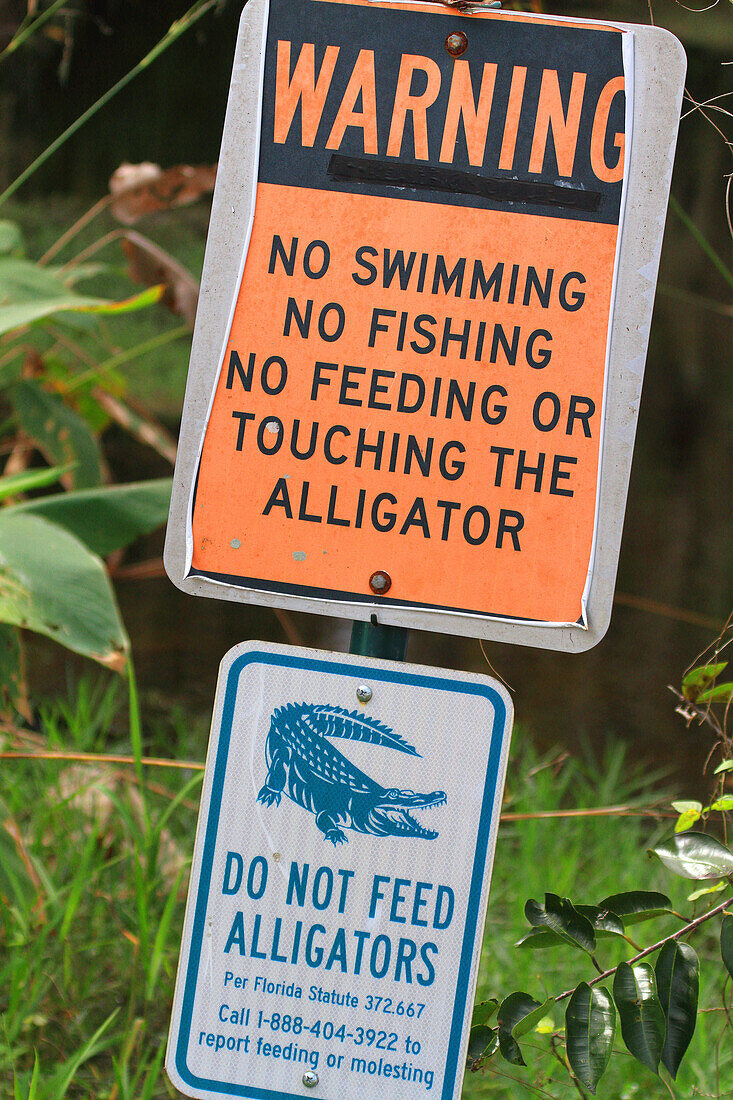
(699, 679)
(537, 939)
(714, 889)
(27, 480)
(590, 1026)
(723, 804)
(561, 916)
(712, 695)
(684, 807)
(28, 293)
(11, 239)
(695, 856)
(726, 766)
(512, 1011)
(531, 1020)
(484, 1011)
(106, 518)
(603, 920)
(635, 906)
(677, 972)
(726, 943)
(50, 582)
(686, 820)
(482, 1042)
(515, 1008)
(640, 1013)
(509, 1048)
(61, 435)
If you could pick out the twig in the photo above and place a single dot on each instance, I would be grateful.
(565, 1066)
(599, 811)
(683, 616)
(289, 628)
(197, 765)
(488, 662)
(144, 429)
(78, 225)
(104, 758)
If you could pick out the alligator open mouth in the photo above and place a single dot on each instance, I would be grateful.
(398, 821)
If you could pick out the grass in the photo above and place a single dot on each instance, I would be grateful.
(93, 868)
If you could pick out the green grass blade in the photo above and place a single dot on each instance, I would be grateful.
(25, 30)
(184, 792)
(192, 16)
(79, 884)
(702, 241)
(157, 954)
(92, 1047)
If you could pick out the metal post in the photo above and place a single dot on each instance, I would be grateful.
(377, 640)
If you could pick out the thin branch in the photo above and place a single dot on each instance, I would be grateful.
(599, 811)
(682, 615)
(655, 946)
(104, 758)
(78, 225)
(196, 765)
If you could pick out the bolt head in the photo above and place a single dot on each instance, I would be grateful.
(380, 582)
(456, 43)
(363, 693)
(310, 1079)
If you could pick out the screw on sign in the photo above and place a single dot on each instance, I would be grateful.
(456, 43)
(432, 353)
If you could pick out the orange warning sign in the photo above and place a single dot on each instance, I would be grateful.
(414, 376)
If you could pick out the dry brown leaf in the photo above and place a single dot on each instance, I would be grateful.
(141, 189)
(153, 266)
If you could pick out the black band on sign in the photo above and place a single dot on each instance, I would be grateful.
(343, 169)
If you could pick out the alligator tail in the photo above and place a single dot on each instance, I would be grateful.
(350, 724)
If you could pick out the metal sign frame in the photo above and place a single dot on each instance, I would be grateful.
(659, 67)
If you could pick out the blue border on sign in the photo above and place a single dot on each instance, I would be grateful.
(212, 826)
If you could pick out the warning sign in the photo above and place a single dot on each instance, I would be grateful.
(413, 374)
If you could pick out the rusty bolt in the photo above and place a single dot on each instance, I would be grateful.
(380, 582)
(456, 43)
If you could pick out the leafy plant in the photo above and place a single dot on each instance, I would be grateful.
(52, 577)
(651, 998)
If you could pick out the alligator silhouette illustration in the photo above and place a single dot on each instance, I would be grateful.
(305, 766)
